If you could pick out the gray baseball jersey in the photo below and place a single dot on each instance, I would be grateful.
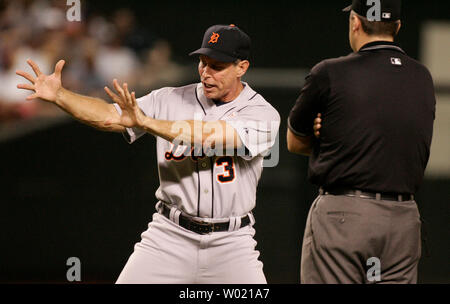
(215, 187)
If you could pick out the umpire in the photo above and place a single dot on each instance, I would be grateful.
(378, 108)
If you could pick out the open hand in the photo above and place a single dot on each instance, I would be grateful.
(45, 87)
(131, 116)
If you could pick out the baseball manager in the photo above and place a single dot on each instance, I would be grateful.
(211, 139)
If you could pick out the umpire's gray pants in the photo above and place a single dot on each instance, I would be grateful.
(342, 233)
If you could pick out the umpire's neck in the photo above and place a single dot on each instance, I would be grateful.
(358, 37)
(368, 39)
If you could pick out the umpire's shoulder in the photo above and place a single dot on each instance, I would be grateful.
(325, 65)
(418, 67)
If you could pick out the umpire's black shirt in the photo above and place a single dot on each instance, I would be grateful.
(378, 108)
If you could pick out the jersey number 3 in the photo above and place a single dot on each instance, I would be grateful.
(228, 169)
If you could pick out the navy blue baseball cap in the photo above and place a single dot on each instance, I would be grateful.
(391, 10)
(225, 43)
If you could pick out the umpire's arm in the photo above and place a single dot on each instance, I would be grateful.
(304, 119)
(299, 144)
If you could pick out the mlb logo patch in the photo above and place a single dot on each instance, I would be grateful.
(386, 15)
(396, 61)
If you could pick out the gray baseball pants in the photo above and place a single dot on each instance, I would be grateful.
(170, 254)
(343, 234)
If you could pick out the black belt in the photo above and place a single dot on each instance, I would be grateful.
(203, 227)
(397, 197)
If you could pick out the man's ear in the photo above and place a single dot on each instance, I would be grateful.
(356, 23)
(398, 28)
(242, 66)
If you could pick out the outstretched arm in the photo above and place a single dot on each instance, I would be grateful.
(213, 134)
(91, 111)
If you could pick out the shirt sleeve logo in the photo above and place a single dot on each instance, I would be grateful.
(396, 61)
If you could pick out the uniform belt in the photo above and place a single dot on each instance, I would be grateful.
(201, 227)
(397, 197)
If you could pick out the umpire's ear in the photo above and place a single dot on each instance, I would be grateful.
(242, 67)
(399, 27)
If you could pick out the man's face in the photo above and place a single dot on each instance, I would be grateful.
(219, 79)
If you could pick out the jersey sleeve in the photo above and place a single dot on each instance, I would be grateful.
(257, 127)
(148, 104)
(311, 99)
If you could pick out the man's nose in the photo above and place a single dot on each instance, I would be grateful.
(206, 72)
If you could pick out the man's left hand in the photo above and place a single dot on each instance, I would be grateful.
(131, 116)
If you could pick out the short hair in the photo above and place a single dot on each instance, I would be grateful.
(379, 28)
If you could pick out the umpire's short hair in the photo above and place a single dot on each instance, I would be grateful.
(379, 28)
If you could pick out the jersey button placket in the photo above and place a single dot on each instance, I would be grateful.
(203, 257)
(205, 187)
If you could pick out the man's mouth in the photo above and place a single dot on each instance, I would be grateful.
(208, 86)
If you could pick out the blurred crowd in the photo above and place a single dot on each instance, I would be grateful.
(97, 49)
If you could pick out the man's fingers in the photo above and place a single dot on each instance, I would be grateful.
(59, 67)
(116, 85)
(317, 125)
(127, 93)
(35, 67)
(26, 76)
(113, 96)
(133, 99)
(33, 96)
(118, 88)
(26, 87)
(317, 134)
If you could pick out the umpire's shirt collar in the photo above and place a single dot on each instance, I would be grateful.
(381, 45)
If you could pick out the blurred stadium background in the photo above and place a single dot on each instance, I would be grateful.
(71, 191)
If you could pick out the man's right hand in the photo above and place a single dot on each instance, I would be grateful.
(317, 125)
(45, 87)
